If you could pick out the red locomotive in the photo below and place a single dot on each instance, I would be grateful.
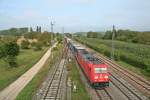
(95, 70)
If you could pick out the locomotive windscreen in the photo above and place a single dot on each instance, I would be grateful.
(100, 70)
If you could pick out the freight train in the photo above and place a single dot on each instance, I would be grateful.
(95, 70)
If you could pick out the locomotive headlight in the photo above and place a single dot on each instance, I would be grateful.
(105, 76)
(96, 77)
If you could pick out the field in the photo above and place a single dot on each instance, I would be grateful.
(134, 54)
(29, 91)
(26, 59)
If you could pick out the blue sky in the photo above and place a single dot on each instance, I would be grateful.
(76, 15)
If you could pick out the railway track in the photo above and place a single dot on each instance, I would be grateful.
(127, 92)
(103, 94)
(133, 78)
(131, 93)
(98, 95)
(54, 88)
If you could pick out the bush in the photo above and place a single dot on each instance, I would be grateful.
(25, 44)
(55, 49)
(37, 46)
(2, 51)
(11, 61)
(11, 51)
(147, 62)
(44, 38)
(92, 34)
(59, 39)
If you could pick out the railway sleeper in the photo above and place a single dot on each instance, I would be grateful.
(129, 87)
(52, 98)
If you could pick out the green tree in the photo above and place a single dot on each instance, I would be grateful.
(37, 46)
(143, 37)
(11, 51)
(39, 30)
(44, 38)
(14, 31)
(2, 51)
(108, 35)
(31, 35)
(92, 34)
(31, 30)
(59, 37)
(25, 44)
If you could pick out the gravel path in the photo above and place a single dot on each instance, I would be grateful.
(10, 92)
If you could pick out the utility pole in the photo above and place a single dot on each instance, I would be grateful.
(112, 43)
(52, 37)
(52, 24)
(37, 29)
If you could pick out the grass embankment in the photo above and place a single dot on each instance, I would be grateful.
(26, 59)
(29, 91)
(136, 56)
(81, 93)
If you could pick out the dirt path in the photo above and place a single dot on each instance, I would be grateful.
(10, 92)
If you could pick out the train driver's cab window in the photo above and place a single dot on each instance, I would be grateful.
(100, 70)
